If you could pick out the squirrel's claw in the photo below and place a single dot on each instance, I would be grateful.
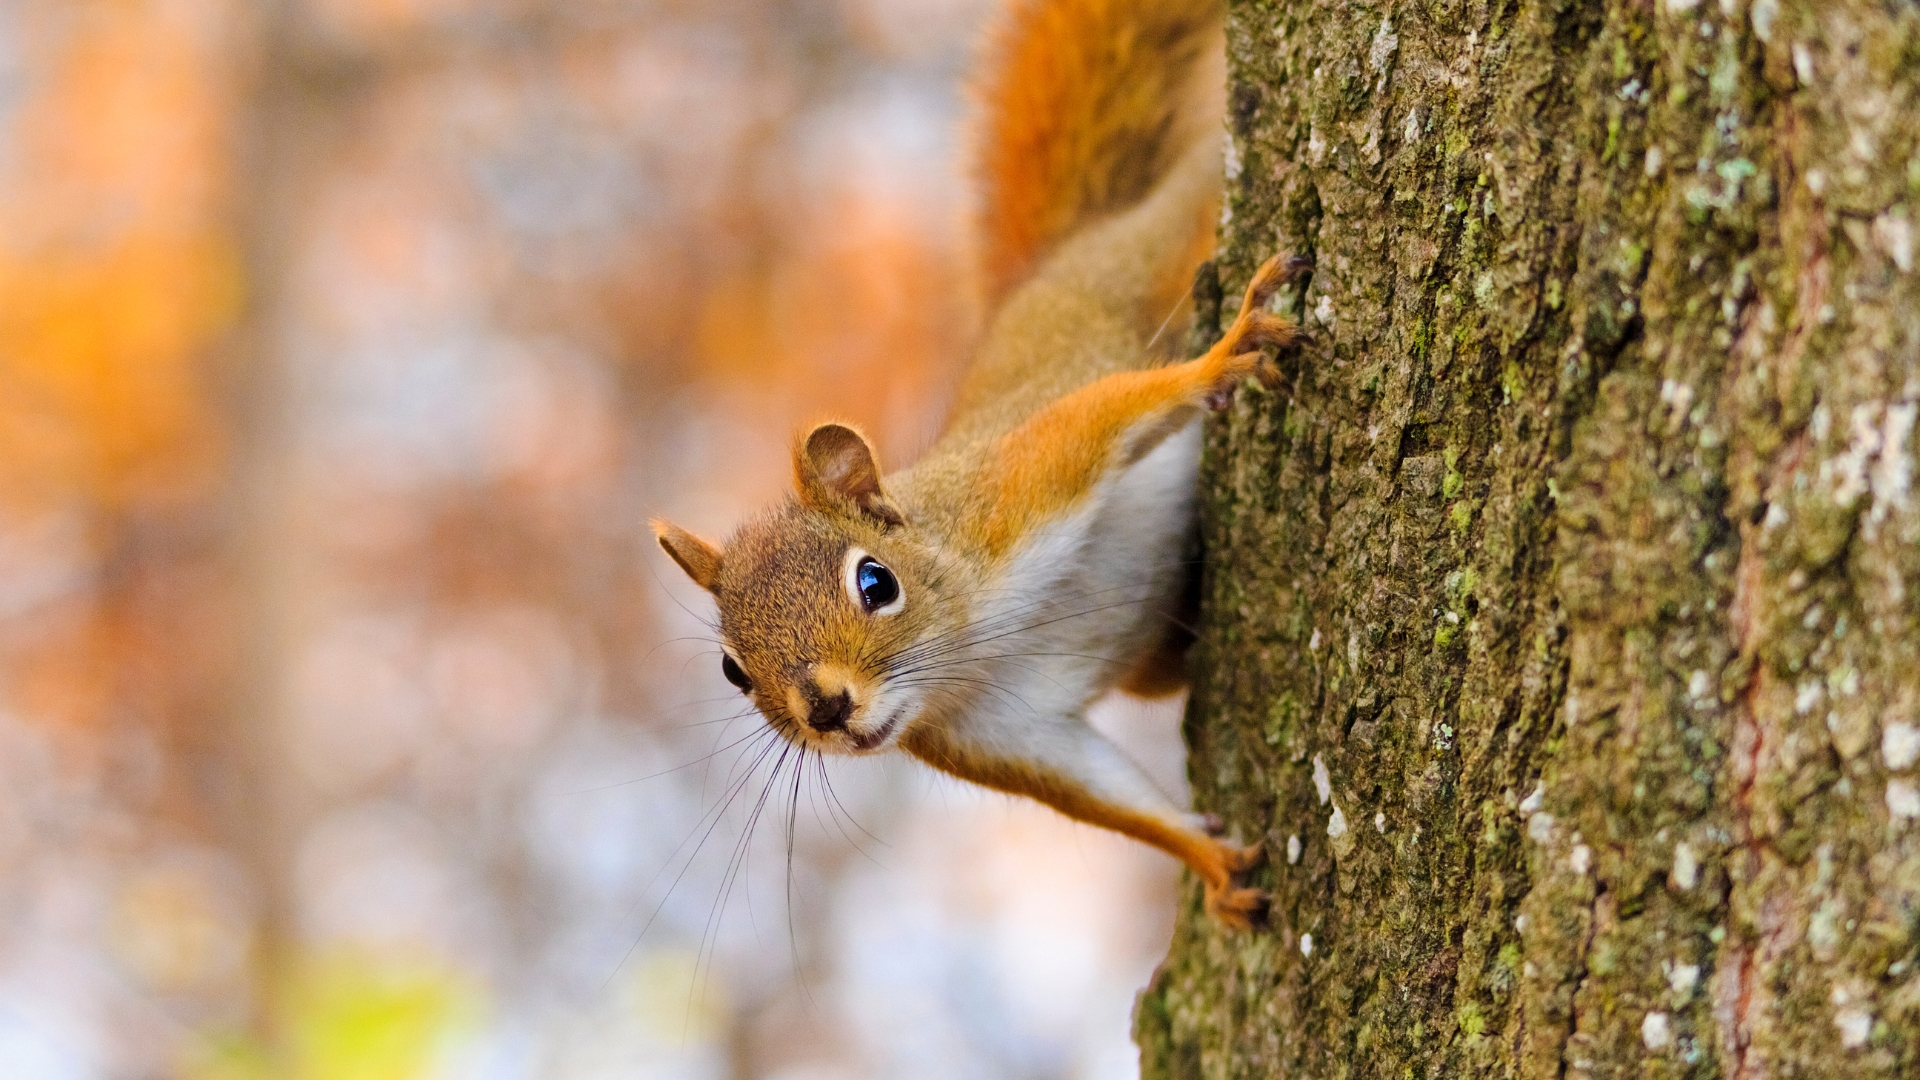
(1273, 274)
(1262, 329)
(1255, 328)
(1240, 860)
(1237, 368)
(1238, 909)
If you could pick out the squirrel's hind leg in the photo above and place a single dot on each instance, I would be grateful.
(1063, 762)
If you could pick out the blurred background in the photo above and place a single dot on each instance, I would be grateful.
(351, 725)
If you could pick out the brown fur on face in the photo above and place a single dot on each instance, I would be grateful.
(788, 619)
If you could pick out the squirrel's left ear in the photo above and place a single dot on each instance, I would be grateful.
(698, 558)
(834, 470)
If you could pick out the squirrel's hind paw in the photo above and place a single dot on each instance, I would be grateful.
(1238, 909)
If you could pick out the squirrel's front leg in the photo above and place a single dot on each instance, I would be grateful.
(1066, 764)
(1044, 466)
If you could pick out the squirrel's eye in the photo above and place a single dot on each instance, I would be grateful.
(877, 585)
(734, 675)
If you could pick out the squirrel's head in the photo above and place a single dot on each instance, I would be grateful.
(820, 599)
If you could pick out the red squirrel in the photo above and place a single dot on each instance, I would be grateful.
(969, 608)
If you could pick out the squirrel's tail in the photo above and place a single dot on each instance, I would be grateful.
(1084, 106)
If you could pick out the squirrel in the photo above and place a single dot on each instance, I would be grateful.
(969, 608)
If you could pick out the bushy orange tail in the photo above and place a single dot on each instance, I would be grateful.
(1083, 106)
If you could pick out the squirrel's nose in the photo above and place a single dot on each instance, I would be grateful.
(830, 713)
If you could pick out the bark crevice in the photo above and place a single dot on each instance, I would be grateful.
(1555, 617)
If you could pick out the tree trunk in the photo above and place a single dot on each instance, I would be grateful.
(1561, 633)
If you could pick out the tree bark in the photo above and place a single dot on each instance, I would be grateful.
(1561, 626)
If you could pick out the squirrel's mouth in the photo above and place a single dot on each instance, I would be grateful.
(872, 739)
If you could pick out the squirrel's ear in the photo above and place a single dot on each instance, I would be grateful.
(698, 558)
(833, 468)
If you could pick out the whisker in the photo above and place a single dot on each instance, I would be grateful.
(793, 936)
(992, 687)
(986, 629)
(1030, 627)
(704, 829)
(667, 772)
(736, 866)
(826, 782)
(648, 655)
(711, 623)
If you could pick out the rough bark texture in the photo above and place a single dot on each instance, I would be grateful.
(1562, 621)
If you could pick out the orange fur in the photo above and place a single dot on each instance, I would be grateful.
(1082, 105)
(1214, 861)
(1039, 470)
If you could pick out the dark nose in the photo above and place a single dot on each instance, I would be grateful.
(830, 713)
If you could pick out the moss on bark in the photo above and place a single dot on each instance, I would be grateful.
(1561, 632)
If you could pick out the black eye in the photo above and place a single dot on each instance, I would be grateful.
(876, 583)
(734, 675)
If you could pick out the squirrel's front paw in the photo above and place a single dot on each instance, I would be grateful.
(1238, 909)
(1237, 368)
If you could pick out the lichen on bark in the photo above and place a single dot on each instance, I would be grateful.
(1561, 625)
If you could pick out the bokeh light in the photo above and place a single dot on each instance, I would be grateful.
(351, 726)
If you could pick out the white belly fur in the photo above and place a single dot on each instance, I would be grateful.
(1085, 599)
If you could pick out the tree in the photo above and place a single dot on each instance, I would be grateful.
(1561, 628)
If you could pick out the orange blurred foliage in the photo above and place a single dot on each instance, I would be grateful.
(347, 721)
(117, 271)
